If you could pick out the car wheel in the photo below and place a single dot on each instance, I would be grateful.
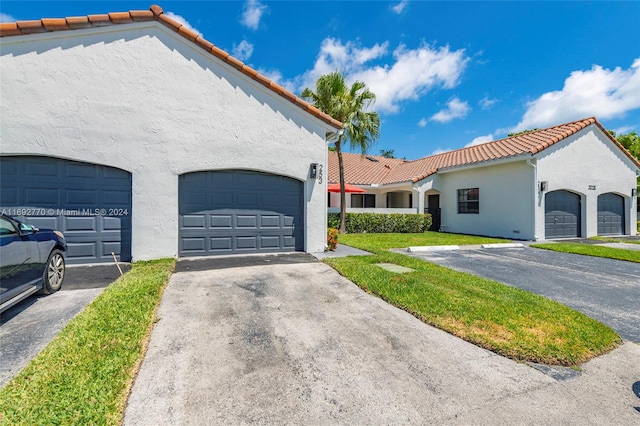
(53, 273)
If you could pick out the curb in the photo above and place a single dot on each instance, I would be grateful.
(418, 249)
(502, 245)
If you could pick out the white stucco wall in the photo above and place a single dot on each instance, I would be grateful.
(143, 99)
(588, 158)
(506, 199)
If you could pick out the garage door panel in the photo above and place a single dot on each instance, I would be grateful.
(193, 221)
(116, 198)
(247, 243)
(562, 214)
(37, 197)
(81, 223)
(221, 221)
(272, 242)
(245, 212)
(246, 201)
(81, 170)
(194, 244)
(246, 221)
(74, 195)
(42, 168)
(79, 250)
(268, 221)
(81, 197)
(610, 214)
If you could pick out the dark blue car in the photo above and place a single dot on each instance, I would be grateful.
(31, 260)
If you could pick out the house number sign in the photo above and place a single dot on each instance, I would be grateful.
(319, 173)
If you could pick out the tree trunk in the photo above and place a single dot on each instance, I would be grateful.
(343, 197)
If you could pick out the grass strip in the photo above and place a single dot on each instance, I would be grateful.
(592, 250)
(388, 241)
(616, 240)
(511, 322)
(84, 375)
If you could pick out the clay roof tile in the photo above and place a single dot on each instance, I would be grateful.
(530, 143)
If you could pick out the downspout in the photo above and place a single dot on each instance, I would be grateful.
(533, 163)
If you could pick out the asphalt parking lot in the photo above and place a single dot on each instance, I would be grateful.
(29, 326)
(605, 289)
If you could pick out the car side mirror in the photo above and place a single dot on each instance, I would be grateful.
(27, 229)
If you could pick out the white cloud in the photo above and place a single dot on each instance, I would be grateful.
(253, 11)
(183, 21)
(480, 139)
(7, 18)
(399, 8)
(406, 75)
(423, 122)
(486, 103)
(599, 91)
(242, 51)
(455, 109)
(439, 151)
(624, 130)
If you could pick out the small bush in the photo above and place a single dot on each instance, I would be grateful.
(375, 223)
(332, 239)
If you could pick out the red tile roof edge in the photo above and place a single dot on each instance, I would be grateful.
(544, 138)
(156, 13)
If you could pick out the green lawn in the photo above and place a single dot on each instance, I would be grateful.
(592, 250)
(509, 321)
(83, 377)
(389, 241)
(616, 240)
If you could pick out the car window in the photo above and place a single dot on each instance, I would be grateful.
(6, 227)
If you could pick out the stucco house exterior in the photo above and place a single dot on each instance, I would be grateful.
(134, 135)
(569, 180)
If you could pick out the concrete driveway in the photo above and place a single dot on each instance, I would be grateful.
(296, 343)
(605, 289)
(29, 326)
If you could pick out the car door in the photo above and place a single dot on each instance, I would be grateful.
(19, 261)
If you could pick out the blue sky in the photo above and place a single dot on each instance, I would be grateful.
(446, 74)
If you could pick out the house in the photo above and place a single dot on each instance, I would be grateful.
(569, 180)
(135, 136)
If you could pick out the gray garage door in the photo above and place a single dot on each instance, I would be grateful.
(237, 211)
(610, 214)
(562, 214)
(89, 203)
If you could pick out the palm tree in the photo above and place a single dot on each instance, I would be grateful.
(348, 105)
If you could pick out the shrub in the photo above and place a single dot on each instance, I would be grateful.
(332, 239)
(357, 223)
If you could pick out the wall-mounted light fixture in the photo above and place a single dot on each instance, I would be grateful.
(544, 185)
(634, 192)
(315, 172)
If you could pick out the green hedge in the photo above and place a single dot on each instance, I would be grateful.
(374, 223)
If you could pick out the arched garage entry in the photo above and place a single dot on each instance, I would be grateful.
(239, 211)
(562, 217)
(610, 214)
(89, 203)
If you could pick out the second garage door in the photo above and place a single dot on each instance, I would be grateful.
(610, 214)
(239, 211)
(89, 203)
(562, 215)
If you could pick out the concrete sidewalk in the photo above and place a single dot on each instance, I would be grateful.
(299, 344)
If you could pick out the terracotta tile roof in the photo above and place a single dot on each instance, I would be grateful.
(412, 171)
(155, 13)
(361, 169)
